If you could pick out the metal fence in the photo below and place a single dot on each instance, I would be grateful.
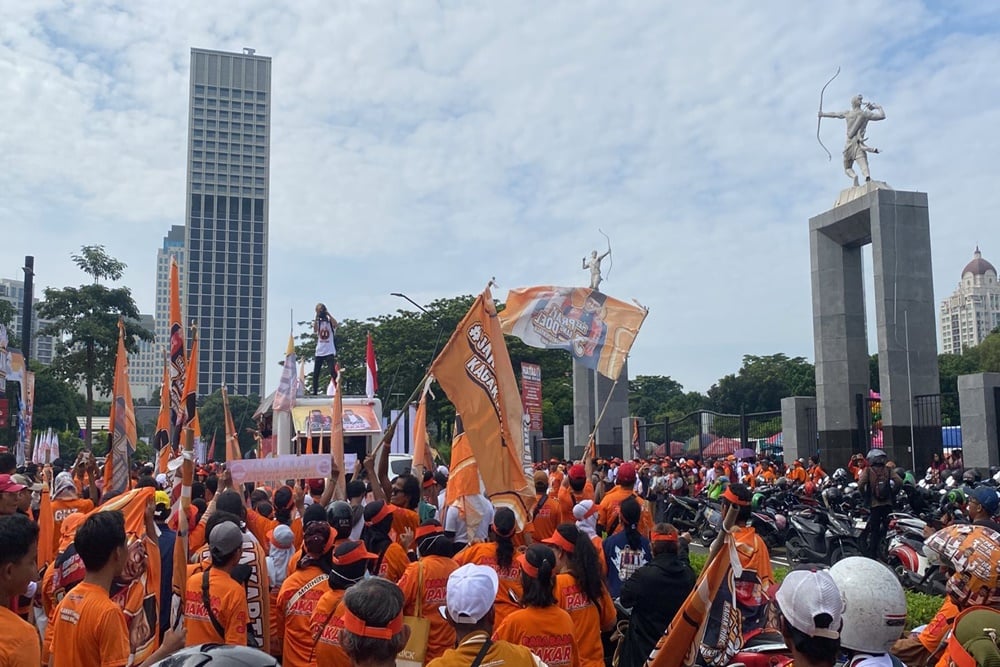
(708, 433)
(869, 416)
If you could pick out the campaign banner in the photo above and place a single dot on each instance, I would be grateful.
(531, 394)
(28, 416)
(318, 419)
(287, 466)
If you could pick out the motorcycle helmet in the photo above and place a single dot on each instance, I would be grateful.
(761, 480)
(809, 488)
(908, 478)
(877, 456)
(874, 604)
(970, 476)
(757, 500)
(996, 477)
(339, 515)
(955, 497)
(832, 495)
(218, 655)
(950, 482)
(716, 491)
(782, 483)
(840, 476)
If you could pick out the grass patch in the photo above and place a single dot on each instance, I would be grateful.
(920, 608)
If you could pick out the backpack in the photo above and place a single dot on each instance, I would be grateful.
(881, 485)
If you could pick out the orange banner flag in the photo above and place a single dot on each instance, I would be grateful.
(422, 458)
(161, 441)
(233, 452)
(190, 405)
(475, 371)
(178, 364)
(123, 430)
(337, 437)
(46, 529)
(463, 483)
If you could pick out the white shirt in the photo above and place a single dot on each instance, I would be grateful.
(324, 339)
(456, 524)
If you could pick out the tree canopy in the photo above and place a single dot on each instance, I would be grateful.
(762, 382)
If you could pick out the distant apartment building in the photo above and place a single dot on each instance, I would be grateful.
(973, 310)
(42, 347)
(145, 366)
(172, 249)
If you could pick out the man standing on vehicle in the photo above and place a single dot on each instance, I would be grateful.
(878, 484)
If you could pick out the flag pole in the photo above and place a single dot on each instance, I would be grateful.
(387, 437)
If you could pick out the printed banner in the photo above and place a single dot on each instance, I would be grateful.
(531, 394)
(13, 364)
(28, 410)
(4, 360)
(596, 329)
(358, 419)
(178, 362)
(287, 466)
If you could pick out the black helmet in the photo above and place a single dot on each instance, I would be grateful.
(877, 456)
(339, 515)
(218, 655)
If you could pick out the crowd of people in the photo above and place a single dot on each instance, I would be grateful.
(387, 570)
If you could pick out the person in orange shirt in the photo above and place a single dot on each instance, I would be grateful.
(302, 590)
(580, 590)
(816, 472)
(19, 645)
(392, 559)
(65, 501)
(349, 566)
(546, 514)
(579, 489)
(768, 473)
(499, 554)
(555, 477)
(87, 629)
(373, 631)
(471, 592)
(404, 495)
(542, 626)
(608, 520)
(797, 474)
(424, 584)
(215, 604)
(857, 464)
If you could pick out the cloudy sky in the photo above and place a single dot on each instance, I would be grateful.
(423, 147)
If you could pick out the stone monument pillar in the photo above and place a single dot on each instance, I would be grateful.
(897, 225)
(979, 401)
(590, 391)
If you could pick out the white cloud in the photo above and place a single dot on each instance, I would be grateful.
(425, 147)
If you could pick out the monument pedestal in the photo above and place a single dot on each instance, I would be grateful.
(897, 225)
(590, 391)
(979, 402)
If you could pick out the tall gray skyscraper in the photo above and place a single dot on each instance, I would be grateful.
(229, 134)
(172, 248)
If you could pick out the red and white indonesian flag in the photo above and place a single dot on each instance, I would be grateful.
(371, 369)
(596, 329)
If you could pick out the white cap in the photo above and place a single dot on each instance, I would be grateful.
(472, 589)
(443, 470)
(161, 479)
(804, 595)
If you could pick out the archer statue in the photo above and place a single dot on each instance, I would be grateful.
(855, 149)
(594, 264)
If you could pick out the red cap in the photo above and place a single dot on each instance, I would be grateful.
(626, 473)
(7, 485)
(577, 471)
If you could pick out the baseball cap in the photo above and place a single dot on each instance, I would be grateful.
(804, 595)
(541, 477)
(577, 471)
(24, 481)
(626, 473)
(983, 495)
(225, 539)
(472, 590)
(281, 536)
(8, 485)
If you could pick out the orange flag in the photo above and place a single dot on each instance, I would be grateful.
(123, 430)
(189, 408)
(178, 375)
(46, 530)
(233, 452)
(463, 482)
(337, 437)
(162, 438)
(422, 458)
(475, 371)
(679, 645)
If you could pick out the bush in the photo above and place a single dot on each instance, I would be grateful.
(920, 608)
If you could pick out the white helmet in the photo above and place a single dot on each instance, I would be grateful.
(874, 604)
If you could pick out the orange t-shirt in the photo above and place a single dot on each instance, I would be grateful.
(402, 519)
(816, 474)
(555, 482)
(485, 553)
(19, 644)
(499, 653)
(88, 630)
(935, 631)
(62, 509)
(394, 563)
(548, 517)
(229, 603)
(293, 618)
(587, 618)
(423, 598)
(568, 498)
(326, 631)
(599, 545)
(547, 632)
(797, 474)
(608, 511)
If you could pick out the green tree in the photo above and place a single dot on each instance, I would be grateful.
(657, 398)
(213, 422)
(7, 314)
(57, 404)
(762, 382)
(989, 353)
(84, 319)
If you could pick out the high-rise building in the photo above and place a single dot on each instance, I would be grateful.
(145, 366)
(229, 132)
(973, 310)
(172, 248)
(42, 347)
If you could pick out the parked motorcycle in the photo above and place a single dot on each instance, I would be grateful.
(819, 536)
